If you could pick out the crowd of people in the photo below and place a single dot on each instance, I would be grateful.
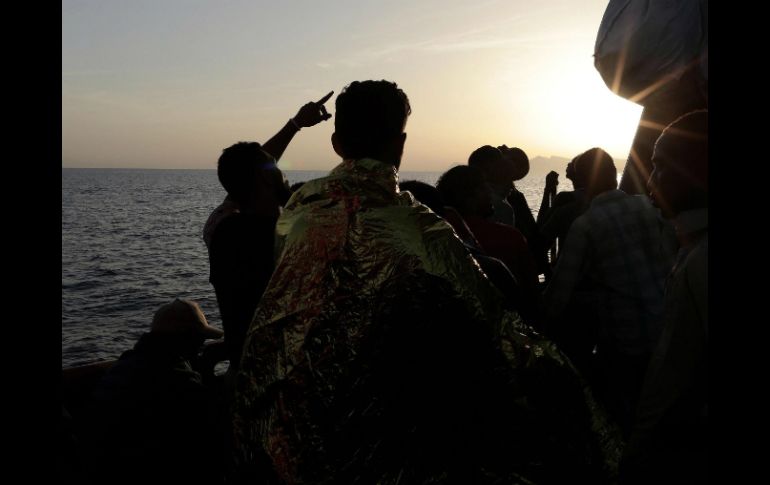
(387, 331)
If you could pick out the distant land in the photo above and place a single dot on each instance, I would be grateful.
(540, 166)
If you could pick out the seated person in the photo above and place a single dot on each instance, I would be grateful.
(150, 417)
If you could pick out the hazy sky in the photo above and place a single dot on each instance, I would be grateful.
(170, 83)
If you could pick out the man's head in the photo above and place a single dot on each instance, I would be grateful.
(679, 179)
(249, 174)
(183, 319)
(595, 171)
(518, 161)
(369, 121)
(465, 188)
(498, 172)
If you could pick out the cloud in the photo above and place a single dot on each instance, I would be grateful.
(504, 33)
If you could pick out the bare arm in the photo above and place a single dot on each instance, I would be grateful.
(551, 181)
(309, 115)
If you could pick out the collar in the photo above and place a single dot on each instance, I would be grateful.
(382, 174)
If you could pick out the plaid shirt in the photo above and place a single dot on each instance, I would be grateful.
(615, 261)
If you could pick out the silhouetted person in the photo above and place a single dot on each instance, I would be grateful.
(496, 270)
(240, 234)
(151, 419)
(669, 440)
(465, 188)
(499, 175)
(607, 287)
(523, 218)
(380, 353)
(555, 220)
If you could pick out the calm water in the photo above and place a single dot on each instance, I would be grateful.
(131, 241)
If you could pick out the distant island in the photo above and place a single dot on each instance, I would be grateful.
(540, 166)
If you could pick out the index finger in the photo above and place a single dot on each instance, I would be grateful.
(325, 98)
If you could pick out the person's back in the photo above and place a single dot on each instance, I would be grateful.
(606, 295)
(623, 249)
(376, 354)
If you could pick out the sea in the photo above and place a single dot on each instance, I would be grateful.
(131, 241)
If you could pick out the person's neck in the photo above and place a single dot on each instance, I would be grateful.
(691, 225)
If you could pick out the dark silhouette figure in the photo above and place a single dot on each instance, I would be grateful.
(381, 354)
(606, 293)
(150, 418)
(499, 175)
(555, 220)
(497, 272)
(240, 233)
(525, 221)
(465, 188)
(669, 439)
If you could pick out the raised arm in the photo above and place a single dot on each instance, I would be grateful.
(551, 181)
(309, 115)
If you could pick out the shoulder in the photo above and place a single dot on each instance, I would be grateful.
(564, 197)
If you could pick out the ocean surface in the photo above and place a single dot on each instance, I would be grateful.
(131, 241)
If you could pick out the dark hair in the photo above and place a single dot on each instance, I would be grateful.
(238, 166)
(425, 194)
(492, 163)
(458, 184)
(595, 171)
(486, 158)
(690, 134)
(519, 162)
(369, 115)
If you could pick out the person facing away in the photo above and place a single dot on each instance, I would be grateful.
(607, 288)
(380, 353)
(499, 175)
(668, 442)
(240, 233)
(151, 419)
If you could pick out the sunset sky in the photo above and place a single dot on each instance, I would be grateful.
(170, 83)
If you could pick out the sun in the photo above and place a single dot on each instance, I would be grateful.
(576, 111)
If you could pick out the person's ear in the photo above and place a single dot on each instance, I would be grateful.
(336, 145)
(400, 145)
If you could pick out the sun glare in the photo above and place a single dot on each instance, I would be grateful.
(578, 111)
